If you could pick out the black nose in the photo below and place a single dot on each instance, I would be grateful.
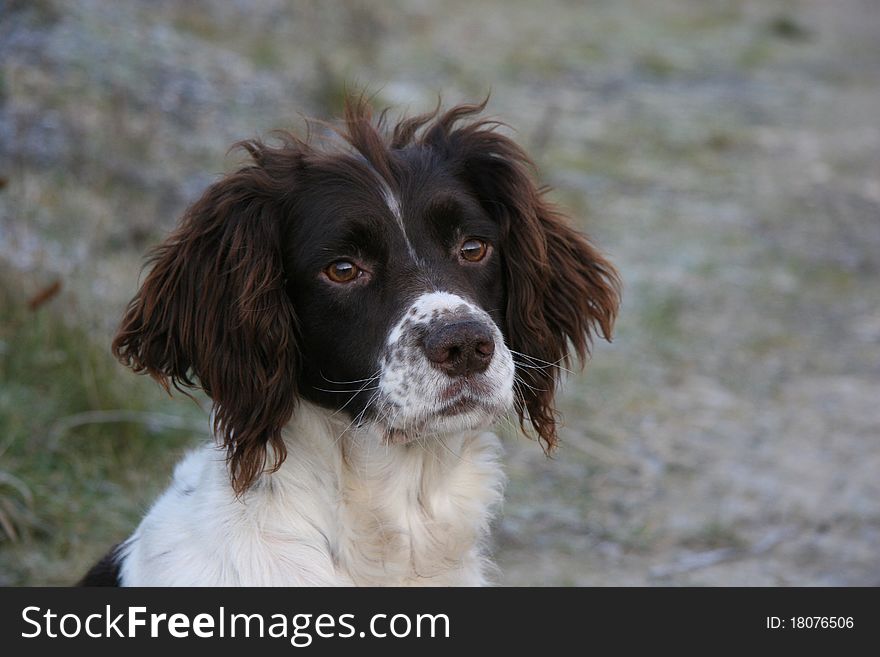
(460, 348)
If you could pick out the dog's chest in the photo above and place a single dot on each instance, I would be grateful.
(332, 515)
(422, 519)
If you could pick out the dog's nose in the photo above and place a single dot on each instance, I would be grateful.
(460, 348)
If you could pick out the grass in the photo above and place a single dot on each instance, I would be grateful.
(65, 497)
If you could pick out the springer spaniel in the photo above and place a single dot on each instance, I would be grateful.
(360, 312)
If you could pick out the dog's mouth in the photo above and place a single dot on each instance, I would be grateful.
(462, 389)
(459, 407)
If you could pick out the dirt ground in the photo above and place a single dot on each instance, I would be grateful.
(725, 154)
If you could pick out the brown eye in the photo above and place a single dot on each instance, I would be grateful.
(474, 250)
(342, 271)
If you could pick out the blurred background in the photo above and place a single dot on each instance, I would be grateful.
(724, 153)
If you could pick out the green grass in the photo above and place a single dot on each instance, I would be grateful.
(67, 496)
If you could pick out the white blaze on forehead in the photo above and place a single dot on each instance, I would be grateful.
(393, 204)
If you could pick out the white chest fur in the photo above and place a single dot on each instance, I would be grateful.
(343, 509)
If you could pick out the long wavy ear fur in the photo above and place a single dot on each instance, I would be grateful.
(213, 311)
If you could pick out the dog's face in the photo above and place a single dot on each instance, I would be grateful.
(415, 281)
(399, 295)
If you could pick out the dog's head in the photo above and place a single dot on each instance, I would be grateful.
(414, 278)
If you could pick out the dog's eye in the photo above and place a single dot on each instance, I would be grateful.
(474, 250)
(342, 271)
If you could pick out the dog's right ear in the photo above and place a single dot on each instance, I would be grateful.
(213, 311)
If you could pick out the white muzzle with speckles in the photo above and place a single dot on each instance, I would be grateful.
(418, 399)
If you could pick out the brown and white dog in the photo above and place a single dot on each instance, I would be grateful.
(360, 312)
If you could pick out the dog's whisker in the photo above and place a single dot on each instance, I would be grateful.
(520, 380)
(363, 389)
(354, 420)
(374, 376)
(345, 392)
(544, 363)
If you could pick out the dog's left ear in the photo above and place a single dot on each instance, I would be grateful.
(561, 291)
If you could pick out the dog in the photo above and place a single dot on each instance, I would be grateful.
(360, 309)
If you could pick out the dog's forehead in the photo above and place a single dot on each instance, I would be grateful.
(431, 208)
(406, 215)
(392, 200)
